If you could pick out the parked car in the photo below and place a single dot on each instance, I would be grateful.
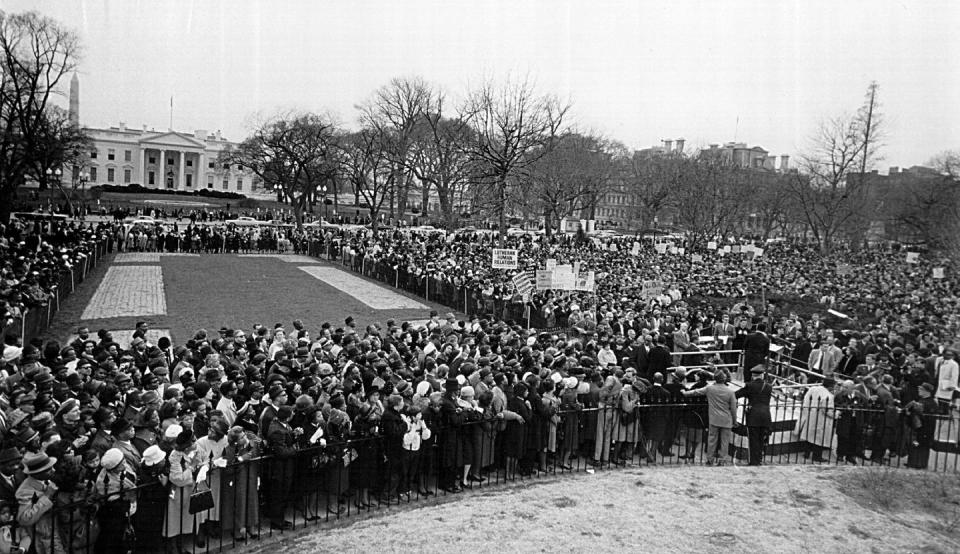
(244, 221)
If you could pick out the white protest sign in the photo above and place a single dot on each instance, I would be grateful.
(585, 281)
(673, 249)
(524, 284)
(726, 249)
(636, 249)
(735, 249)
(696, 258)
(682, 250)
(757, 252)
(938, 273)
(844, 269)
(544, 280)
(651, 289)
(504, 258)
(563, 280)
(712, 245)
(613, 247)
(551, 264)
(913, 257)
(576, 267)
(660, 248)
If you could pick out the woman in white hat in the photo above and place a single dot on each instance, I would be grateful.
(116, 487)
(152, 498)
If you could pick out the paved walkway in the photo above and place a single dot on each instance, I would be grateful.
(128, 290)
(376, 296)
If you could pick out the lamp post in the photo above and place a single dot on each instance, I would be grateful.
(279, 190)
(323, 198)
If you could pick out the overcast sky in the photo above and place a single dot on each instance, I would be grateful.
(636, 71)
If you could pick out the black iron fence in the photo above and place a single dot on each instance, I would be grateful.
(35, 320)
(251, 491)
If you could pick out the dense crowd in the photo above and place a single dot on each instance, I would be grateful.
(167, 446)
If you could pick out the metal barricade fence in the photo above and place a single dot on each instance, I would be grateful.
(291, 488)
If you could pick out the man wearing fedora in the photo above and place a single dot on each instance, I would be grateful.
(757, 392)
(35, 497)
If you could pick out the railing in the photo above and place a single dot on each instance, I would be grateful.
(466, 299)
(37, 319)
(318, 485)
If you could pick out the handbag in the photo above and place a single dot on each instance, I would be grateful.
(200, 501)
(349, 456)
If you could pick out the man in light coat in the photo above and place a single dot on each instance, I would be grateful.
(722, 410)
(815, 424)
(948, 376)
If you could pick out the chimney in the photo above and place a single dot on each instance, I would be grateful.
(894, 170)
(784, 162)
(668, 145)
(680, 142)
(218, 135)
(144, 127)
(123, 126)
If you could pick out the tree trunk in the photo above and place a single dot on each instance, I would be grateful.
(502, 207)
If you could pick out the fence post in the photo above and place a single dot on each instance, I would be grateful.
(465, 300)
(23, 326)
(396, 275)
(427, 294)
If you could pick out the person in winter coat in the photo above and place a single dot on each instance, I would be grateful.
(816, 419)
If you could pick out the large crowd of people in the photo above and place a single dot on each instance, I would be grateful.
(167, 446)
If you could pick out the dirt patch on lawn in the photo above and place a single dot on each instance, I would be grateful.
(928, 501)
(683, 509)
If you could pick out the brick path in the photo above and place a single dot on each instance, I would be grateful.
(128, 290)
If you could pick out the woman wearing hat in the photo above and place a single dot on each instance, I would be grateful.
(151, 499)
(570, 411)
(366, 469)
(338, 472)
(513, 433)
(210, 452)
(117, 492)
(240, 505)
(922, 415)
(178, 525)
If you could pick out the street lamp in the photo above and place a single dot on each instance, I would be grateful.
(323, 198)
(278, 189)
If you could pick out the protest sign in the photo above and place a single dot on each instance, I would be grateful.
(938, 273)
(913, 257)
(544, 280)
(636, 249)
(712, 245)
(524, 283)
(660, 248)
(696, 258)
(504, 258)
(551, 264)
(651, 289)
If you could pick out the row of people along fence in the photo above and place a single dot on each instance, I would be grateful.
(32, 322)
(256, 489)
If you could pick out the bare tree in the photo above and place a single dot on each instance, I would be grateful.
(830, 188)
(650, 180)
(292, 152)
(438, 158)
(925, 205)
(513, 128)
(394, 111)
(710, 196)
(58, 143)
(36, 52)
(570, 178)
(365, 162)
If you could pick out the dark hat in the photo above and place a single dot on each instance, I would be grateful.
(757, 369)
(27, 434)
(451, 385)
(119, 426)
(184, 439)
(927, 387)
(10, 454)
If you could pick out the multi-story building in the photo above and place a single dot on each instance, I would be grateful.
(747, 157)
(157, 159)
